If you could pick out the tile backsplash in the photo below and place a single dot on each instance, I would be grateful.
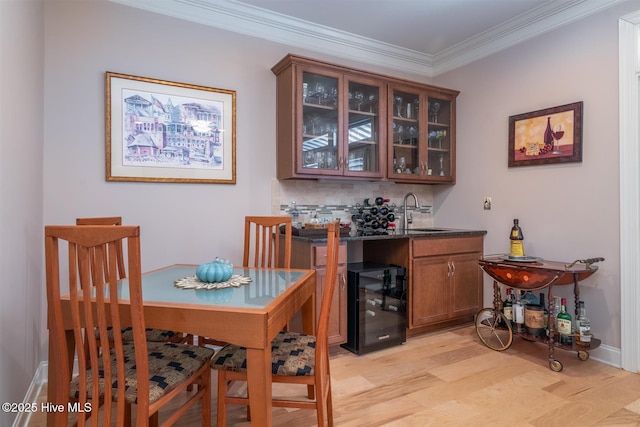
(339, 199)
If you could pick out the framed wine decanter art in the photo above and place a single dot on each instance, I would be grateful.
(552, 135)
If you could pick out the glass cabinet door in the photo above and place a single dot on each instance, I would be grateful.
(320, 145)
(439, 137)
(363, 130)
(405, 134)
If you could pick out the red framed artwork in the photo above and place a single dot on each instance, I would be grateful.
(552, 135)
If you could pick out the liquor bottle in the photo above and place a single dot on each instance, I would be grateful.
(517, 248)
(548, 133)
(507, 306)
(583, 326)
(545, 311)
(518, 313)
(564, 323)
(295, 215)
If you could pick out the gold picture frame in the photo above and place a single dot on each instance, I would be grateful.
(164, 131)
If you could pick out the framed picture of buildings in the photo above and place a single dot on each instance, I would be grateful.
(163, 131)
(552, 135)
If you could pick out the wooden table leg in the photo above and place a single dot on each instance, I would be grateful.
(259, 383)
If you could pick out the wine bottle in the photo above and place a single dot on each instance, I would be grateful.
(517, 247)
(548, 133)
(564, 323)
(507, 306)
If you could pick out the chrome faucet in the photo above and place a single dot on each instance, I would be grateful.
(405, 220)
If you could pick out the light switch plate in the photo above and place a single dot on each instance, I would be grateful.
(487, 203)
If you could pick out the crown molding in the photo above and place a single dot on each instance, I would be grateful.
(529, 25)
(253, 21)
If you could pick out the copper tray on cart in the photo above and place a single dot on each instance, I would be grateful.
(529, 273)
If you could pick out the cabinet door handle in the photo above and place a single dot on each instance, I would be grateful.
(448, 268)
(344, 282)
(453, 268)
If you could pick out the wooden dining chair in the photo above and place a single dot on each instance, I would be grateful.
(263, 249)
(262, 245)
(155, 335)
(141, 374)
(295, 358)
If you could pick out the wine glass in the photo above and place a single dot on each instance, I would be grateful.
(320, 92)
(558, 133)
(359, 96)
(435, 107)
(440, 135)
(314, 119)
(372, 98)
(398, 101)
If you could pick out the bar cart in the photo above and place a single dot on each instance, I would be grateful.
(528, 274)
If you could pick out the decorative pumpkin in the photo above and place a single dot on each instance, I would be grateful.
(219, 270)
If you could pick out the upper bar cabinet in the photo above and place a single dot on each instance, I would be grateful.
(338, 122)
(421, 141)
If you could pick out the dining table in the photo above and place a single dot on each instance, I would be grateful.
(249, 315)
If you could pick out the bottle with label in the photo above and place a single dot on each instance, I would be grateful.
(518, 313)
(564, 323)
(516, 237)
(583, 326)
(507, 306)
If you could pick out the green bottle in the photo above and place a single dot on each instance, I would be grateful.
(564, 324)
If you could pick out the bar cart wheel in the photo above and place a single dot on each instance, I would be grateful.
(493, 329)
(583, 355)
(555, 365)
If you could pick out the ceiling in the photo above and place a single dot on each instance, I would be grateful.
(420, 36)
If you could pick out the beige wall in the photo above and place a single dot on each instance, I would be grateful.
(567, 211)
(22, 318)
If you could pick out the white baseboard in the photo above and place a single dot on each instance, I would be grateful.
(607, 355)
(33, 392)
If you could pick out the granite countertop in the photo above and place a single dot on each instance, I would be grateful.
(432, 232)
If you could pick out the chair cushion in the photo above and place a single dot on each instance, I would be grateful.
(153, 335)
(169, 366)
(292, 354)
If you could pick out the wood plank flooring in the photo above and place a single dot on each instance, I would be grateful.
(450, 378)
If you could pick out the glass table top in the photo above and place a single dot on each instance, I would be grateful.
(265, 286)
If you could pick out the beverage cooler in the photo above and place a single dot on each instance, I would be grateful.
(376, 307)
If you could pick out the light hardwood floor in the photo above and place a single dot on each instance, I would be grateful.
(450, 378)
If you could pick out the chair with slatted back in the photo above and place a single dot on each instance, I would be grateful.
(263, 248)
(114, 377)
(155, 335)
(295, 358)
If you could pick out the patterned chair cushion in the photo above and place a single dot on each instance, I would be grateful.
(153, 335)
(292, 354)
(169, 365)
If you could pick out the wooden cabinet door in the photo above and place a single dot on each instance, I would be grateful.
(466, 280)
(430, 292)
(338, 314)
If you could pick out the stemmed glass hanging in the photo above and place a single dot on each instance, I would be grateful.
(398, 101)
